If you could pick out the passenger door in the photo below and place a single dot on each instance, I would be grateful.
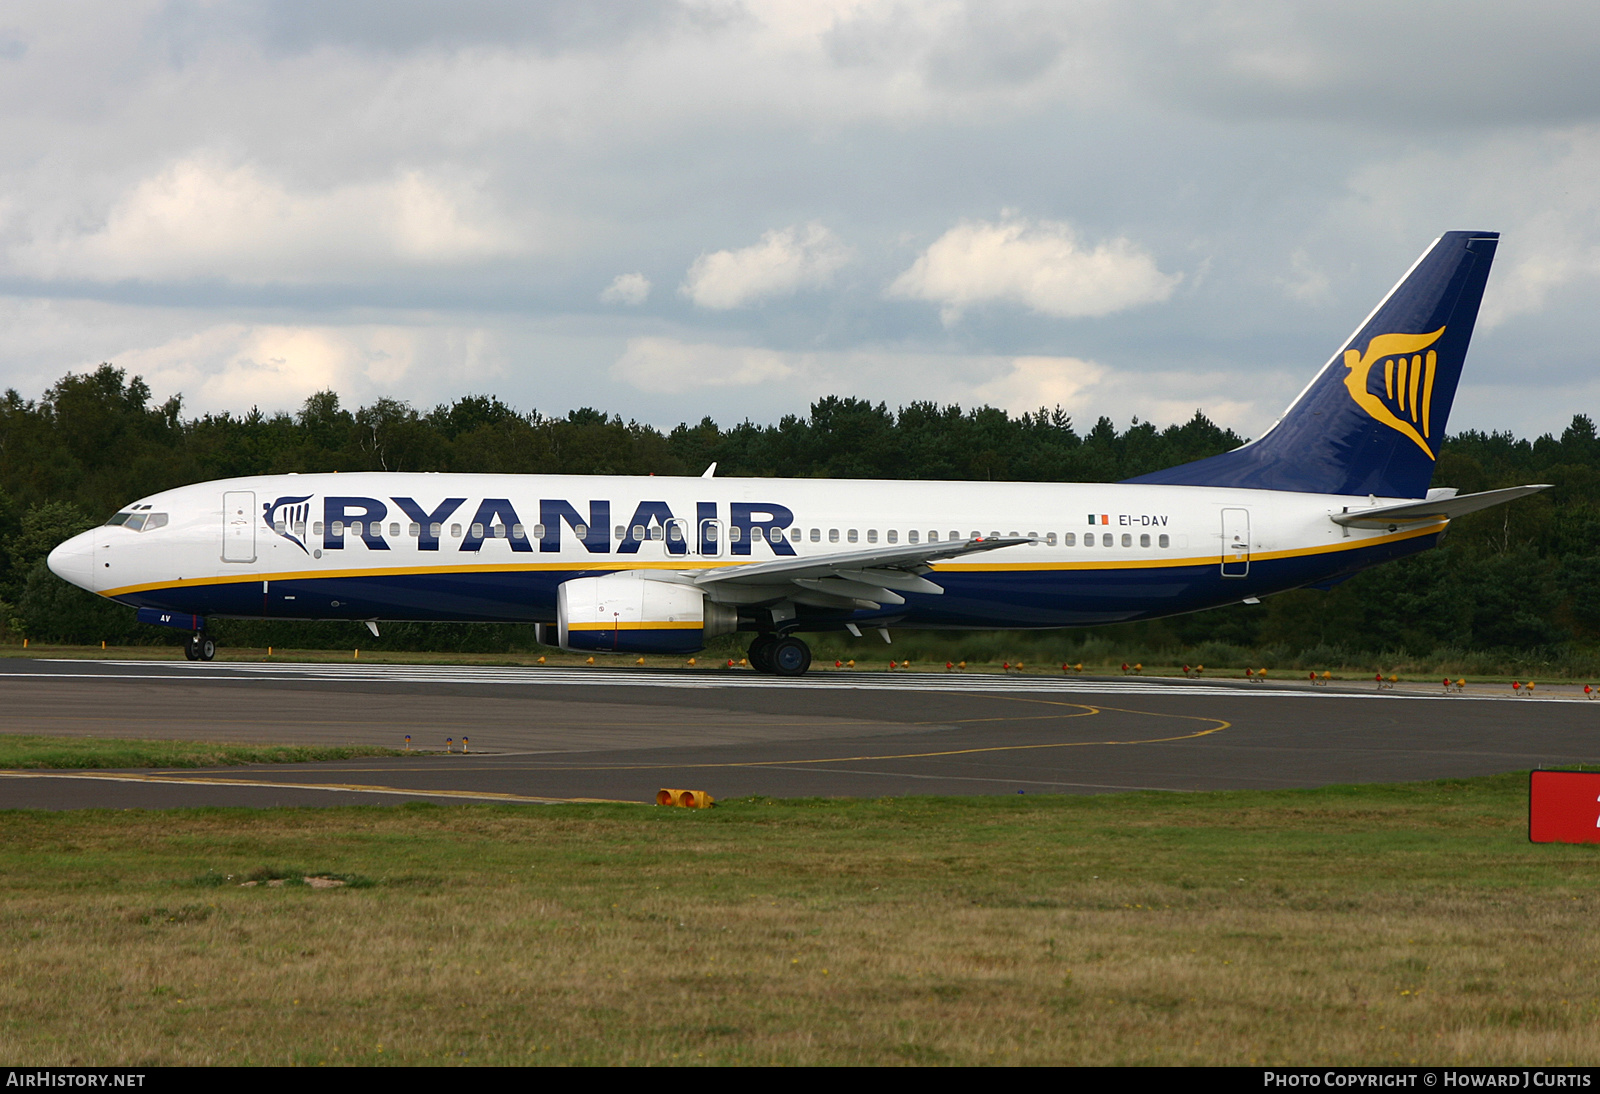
(239, 526)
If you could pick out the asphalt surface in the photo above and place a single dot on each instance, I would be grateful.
(552, 734)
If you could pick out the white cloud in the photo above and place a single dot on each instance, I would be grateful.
(1041, 266)
(1306, 283)
(234, 366)
(1034, 382)
(203, 217)
(1537, 190)
(785, 261)
(1017, 384)
(632, 289)
(669, 366)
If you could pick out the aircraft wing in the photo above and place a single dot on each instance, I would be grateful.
(851, 579)
(1431, 510)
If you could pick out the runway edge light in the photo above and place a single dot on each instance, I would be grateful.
(685, 799)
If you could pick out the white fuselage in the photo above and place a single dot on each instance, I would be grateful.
(496, 547)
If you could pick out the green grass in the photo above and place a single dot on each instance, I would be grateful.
(25, 751)
(1375, 924)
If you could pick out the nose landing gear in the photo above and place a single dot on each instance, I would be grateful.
(201, 647)
(778, 655)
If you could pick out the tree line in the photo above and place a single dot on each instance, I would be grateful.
(1517, 583)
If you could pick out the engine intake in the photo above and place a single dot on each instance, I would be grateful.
(630, 613)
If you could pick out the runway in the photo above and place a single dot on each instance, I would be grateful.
(561, 734)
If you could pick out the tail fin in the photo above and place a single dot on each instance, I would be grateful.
(1372, 420)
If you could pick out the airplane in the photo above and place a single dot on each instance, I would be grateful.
(635, 565)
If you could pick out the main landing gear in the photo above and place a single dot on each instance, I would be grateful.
(201, 647)
(779, 655)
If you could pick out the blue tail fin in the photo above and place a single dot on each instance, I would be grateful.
(1372, 420)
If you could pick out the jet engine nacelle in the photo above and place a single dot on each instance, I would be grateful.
(630, 613)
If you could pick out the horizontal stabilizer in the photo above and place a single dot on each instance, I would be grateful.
(1432, 509)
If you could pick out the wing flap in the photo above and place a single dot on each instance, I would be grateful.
(851, 579)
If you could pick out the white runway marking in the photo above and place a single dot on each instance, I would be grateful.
(719, 679)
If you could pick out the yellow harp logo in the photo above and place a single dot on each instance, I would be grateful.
(1407, 382)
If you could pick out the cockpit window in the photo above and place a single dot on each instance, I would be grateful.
(139, 522)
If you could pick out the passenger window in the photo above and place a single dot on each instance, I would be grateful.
(1127, 540)
(622, 533)
(1070, 539)
(755, 535)
(675, 533)
(638, 533)
(872, 535)
(1144, 539)
(579, 530)
(1033, 536)
(455, 531)
(1088, 539)
(894, 535)
(655, 531)
(816, 535)
(436, 530)
(1050, 539)
(911, 536)
(833, 535)
(281, 527)
(1163, 541)
(477, 531)
(338, 528)
(933, 537)
(957, 535)
(734, 534)
(394, 529)
(316, 528)
(852, 535)
(414, 531)
(300, 529)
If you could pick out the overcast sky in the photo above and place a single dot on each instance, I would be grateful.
(666, 210)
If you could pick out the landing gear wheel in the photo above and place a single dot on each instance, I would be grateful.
(190, 651)
(202, 647)
(789, 657)
(760, 653)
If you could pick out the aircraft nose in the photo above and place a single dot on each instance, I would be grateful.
(74, 561)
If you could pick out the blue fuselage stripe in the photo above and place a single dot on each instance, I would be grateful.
(974, 598)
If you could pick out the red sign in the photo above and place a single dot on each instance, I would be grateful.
(1564, 807)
